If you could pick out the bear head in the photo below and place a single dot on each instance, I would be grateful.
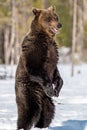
(46, 20)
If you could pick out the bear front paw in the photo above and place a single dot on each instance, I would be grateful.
(56, 93)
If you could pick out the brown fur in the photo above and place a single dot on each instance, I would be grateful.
(37, 71)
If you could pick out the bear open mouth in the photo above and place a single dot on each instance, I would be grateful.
(55, 30)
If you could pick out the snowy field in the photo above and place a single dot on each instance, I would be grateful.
(71, 105)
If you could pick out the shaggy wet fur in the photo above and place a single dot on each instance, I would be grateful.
(36, 73)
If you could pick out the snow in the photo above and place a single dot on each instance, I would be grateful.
(71, 105)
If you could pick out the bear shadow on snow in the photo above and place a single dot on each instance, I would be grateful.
(71, 125)
(37, 75)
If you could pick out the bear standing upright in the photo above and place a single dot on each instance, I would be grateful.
(37, 72)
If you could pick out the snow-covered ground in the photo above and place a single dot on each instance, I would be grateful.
(71, 105)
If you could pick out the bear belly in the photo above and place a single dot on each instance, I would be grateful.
(51, 61)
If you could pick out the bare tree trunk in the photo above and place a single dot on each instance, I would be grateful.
(45, 3)
(80, 29)
(74, 35)
(17, 45)
(85, 10)
(12, 36)
(6, 44)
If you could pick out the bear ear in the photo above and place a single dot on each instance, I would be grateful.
(52, 8)
(35, 11)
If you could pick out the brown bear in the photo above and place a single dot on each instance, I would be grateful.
(37, 72)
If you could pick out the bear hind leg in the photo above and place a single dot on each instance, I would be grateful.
(47, 113)
(28, 109)
(29, 118)
(22, 123)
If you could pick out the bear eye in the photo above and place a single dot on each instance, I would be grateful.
(55, 17)
(49, 19)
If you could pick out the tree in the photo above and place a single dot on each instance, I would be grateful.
(74, 34)
(80, 28)
(45, 3)
(12, 35)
